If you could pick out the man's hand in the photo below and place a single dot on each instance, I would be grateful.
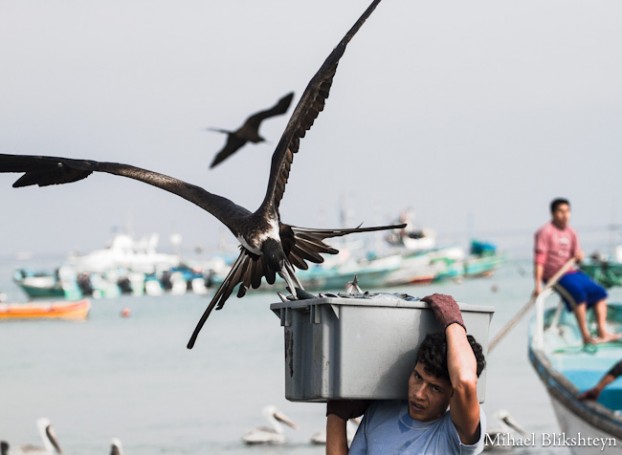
(338, 412)
(347, 409)
(537, 290)
(445, 309)
(591, 394)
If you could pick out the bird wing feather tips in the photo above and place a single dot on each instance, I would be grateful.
(45, 171)
(305, 244)
(309, 106)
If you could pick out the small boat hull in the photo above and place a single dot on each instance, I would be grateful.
(77, 310)
(575, 427)
(565, 369)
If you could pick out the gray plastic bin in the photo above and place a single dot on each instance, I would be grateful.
(348, 348)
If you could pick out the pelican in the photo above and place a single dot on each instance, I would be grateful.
(48, 436)
(249, 131)
(496, 438)
(267, 245)
(272, 434)
(115, 447)
(352, 425)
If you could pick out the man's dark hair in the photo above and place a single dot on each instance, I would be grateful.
(432, 354)
(555, 203)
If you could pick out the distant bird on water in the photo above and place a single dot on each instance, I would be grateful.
(116, 448)
(249, 131)
(48, 437)
(274, 433)
(267, 245)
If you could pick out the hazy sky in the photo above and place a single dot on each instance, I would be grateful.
(475, 114)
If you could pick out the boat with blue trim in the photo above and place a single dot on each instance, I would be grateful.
(567, 367)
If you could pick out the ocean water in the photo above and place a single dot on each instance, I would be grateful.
(134, 379)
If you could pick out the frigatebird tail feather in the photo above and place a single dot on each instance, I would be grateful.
(257, 271)
(223, 292)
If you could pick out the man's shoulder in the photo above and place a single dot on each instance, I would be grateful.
(545, 228)
(387, 407)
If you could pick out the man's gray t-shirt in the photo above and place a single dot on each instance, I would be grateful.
(387, 429)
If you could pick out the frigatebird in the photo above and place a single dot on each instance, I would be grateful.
(249, 131)
(267, 245)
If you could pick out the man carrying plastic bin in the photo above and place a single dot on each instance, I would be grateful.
(445, 375)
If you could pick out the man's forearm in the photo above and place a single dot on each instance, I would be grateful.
(538, 272)
(336, 436)
(461, 361)
(462, 366)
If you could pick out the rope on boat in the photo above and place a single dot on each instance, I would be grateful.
(525, 308)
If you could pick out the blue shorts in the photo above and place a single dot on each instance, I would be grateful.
(576, 288)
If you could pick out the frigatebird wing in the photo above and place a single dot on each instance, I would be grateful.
(280, 108)
(49, 170)
(309, 106)
(233, 144)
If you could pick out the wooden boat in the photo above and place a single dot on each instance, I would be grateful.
(567, 368)
(77, 310)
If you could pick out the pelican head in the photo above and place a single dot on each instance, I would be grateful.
(273, 412)
(48, 436)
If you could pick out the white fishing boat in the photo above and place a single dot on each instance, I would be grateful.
(411, 237)
(126, 266)
(125, 252)
(566, 367)
(420, 267)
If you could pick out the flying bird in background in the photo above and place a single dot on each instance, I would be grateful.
(249, 131)
(267, 245)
